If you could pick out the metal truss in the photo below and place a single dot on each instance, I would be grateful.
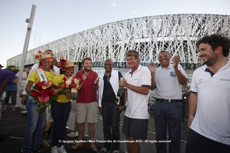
(176, 33)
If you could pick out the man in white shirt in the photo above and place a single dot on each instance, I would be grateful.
(108, 108)
(137, 81)
(168, 80)
(209, 101)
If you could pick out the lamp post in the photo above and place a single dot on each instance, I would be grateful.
(26, 44)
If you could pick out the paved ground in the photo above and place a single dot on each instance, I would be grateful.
(14, 124)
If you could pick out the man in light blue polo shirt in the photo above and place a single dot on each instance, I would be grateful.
(168, 79)
(137, 82)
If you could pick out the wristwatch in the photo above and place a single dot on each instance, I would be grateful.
(177, 70)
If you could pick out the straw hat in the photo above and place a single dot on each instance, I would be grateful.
(69, 64)
(42, 55)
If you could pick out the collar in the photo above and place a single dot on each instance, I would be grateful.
(205, 68)
(84, 71)
(170, 65)
(138, 69)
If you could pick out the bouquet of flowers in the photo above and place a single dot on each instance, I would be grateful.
(44, 93)
(71, 84)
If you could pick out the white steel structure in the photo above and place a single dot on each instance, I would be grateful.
(176, 33)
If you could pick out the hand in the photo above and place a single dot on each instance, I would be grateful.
(24, 99)
(120, 108)
(152, 67)
(123, 82)
(190, 119)
(100, 111)
(176, 60)
(84, 76)
(96, 81)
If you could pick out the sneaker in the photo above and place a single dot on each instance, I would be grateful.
(38, 151)
(103, 150)
(54, 149)
(45, 144)
(62, 149)
(115, 151)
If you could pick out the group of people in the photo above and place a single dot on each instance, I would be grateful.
(209, 102)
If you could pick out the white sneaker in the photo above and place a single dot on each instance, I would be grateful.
(54, 149)
(62, 149)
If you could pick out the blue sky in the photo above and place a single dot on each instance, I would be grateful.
(55, 19)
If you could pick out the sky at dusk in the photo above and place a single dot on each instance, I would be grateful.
(55, 19)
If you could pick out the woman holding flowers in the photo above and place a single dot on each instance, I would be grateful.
(60, 108)
(39, 97)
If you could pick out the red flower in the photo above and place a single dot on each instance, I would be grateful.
(35, 93)
(50, 92)
(43, 99)
(44, 92)
(80, 79)
(54, 91)
(73, 85)
(55, 87)
(64, 78)
(39, 85)
(39, 52)
(36, 56)
(63, 85)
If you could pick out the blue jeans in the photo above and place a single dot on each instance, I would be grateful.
(35, 126)
(60, 113)
(168, 115)
(13, 95)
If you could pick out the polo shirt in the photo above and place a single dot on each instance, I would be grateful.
(167, 84)
(137, 104)
(212, 119)
(87, 93)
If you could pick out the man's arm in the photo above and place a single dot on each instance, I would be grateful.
(3, 86)
(152, 68)
(181, 78)
(95, 85)
(192, 108)
(15, 81)
(139, 89)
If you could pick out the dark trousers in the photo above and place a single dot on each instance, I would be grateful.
(13, 95)
(60, 113)
(168, 115)
(197, 143)
(111, 120)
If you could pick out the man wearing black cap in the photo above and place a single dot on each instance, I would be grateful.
(6, 77)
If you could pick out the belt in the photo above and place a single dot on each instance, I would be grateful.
(169, 100)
